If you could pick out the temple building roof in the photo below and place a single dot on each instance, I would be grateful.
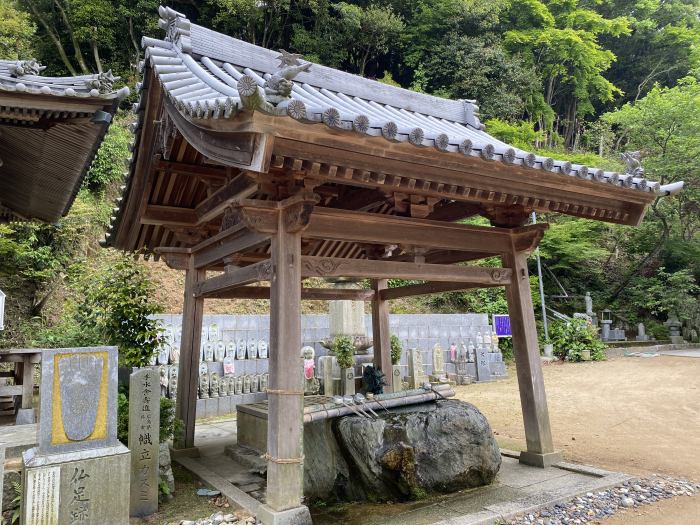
(238, 105)
(50, 129)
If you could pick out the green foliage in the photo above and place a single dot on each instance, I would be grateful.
(170, 426)
(666, 293)
(108, 166)
(118, 304)
(16, 505)
(344, 351)
(16, 32)
(521, 135)
(505, 345)
(571, 338)
(123, 419)
(396, 349)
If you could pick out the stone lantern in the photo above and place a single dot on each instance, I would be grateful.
(605, 324)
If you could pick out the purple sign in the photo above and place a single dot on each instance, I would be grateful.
(501, 324)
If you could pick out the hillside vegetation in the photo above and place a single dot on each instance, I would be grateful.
(578, 80)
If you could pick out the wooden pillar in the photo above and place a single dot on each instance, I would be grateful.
(538, 434)
(285, 423)
(188, 369)
(27, 381)
(381, 332)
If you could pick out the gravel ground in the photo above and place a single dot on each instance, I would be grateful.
(595, 506)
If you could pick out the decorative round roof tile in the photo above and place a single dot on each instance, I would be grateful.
(331, 117)
(361, 124)
(416, 136)
(530, 160)
(442, 141)
(465, 147)
(296, 109)
(247, 86)
(488, 152)
(390, 130)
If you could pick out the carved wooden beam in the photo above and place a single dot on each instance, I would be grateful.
(230, 279)
(336, 267)
(427, 289)
(240, 187)
(527, 238)
(307, 294)
(225, 246)
(345, 225)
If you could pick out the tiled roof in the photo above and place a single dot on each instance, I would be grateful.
(51, 128)
(207, 75)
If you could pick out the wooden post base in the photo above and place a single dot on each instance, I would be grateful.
(296, 516)
(540, 460)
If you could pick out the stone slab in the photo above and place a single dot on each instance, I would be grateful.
(78, 399)
(89, 487)
(144, 430)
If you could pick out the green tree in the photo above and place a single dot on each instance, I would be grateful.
(562, 41)
(16, 32)
(665, 126)
(119, 305)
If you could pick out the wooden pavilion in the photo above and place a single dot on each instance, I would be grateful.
(50, 129)
(252, 166)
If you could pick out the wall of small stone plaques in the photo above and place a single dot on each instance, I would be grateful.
(235, 351)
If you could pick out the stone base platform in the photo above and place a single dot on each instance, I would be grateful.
(90, 487)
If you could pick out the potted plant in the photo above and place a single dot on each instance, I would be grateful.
(344, 349)
(396, 351)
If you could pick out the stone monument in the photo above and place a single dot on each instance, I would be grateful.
(416, 374)
(483, 370)
(144, 431)
(79, 472)
(438, 363)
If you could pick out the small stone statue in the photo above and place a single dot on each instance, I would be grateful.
(255, 383)
(163, 373)
(438, 361)
(494, 342)
(263, 382)
(223, 387)
(246, 384)
(203, 381)
(238, 385)
(312, 385)
(453, 352)
(589, 304)
(214, 384)
(471, 353)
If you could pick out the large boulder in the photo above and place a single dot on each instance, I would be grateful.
(434, 447)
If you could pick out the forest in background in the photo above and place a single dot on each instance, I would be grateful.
(575, 79)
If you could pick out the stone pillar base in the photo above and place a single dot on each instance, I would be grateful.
(87, 486)
(192, 452)
(540, 460)
(296, 516)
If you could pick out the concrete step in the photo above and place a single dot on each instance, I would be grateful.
(247, 457)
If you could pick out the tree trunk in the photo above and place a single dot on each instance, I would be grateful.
(76, 45)
(96, 54)
(54, 38)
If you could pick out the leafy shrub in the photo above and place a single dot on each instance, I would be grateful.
(505, 345)
(108, 165)
(170, 426)
(118, 303)
(571, 338)
(521, 135)
(396, 350)
(344, 350)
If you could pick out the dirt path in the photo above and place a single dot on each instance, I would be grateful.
(636, 415)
